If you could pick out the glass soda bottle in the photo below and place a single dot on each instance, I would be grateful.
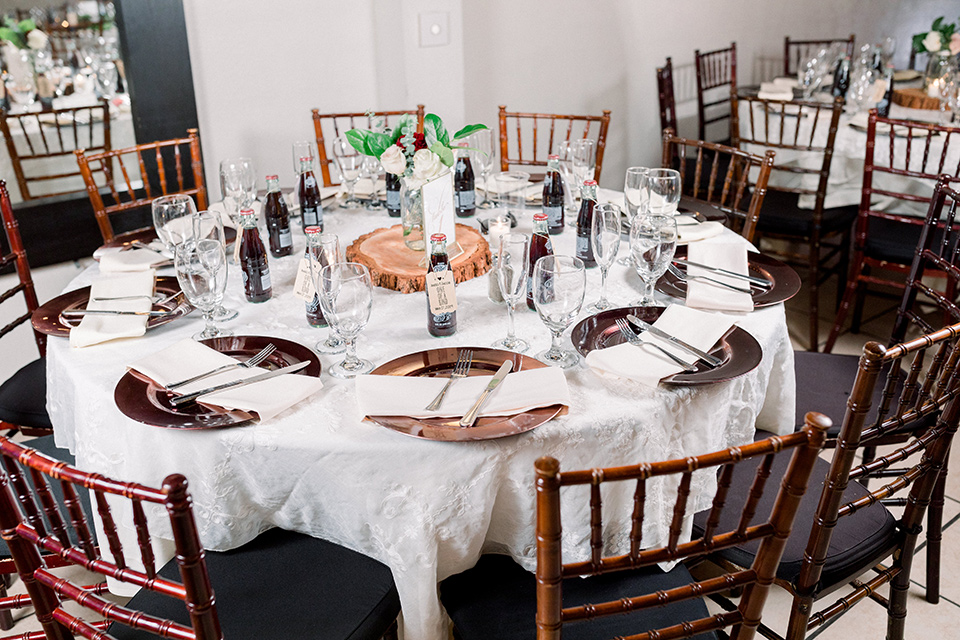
(540, 246)
(253, 260)
(441, 324)
(553, 195)
(393, 195)
(588, 200)
(314, 252)
(465, 197)
(883, 107)
(278, 220)
(311, 211)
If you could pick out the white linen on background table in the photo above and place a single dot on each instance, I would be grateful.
(426, 509)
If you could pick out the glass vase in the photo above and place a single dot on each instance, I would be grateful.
(939, 68)
(21, 80)
(411, 216)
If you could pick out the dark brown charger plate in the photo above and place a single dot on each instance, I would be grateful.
(440, 362)
(739, 351)
(786, 281)
(143, 400)
(47, 319)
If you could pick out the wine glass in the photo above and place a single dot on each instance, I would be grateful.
(324, 250)
(559, 283)
(861, 86)
(172, 219)
(653, 241)
(232, 188)
(888, 46)
(348, 162)
(636, 197)
(512, 191)
(346, 297)
(108, 77)
(663, 191)
(201, 268)
(584, 159)
(605, 238)
(512, 265)
(370, 169)
(483, 157)
(248, 181)
(208, 225)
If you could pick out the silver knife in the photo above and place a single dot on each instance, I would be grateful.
(762, 282)
(79, 313)
(471, 416)
(713, 361)
(190, 397)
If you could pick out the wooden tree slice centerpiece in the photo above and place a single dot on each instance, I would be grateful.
(393, 266)
(915, 99)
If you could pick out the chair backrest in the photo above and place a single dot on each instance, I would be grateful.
(18, 257)
(668, 101)
(343, 122)
(726, 192)
(715, 69)
(36, 140)
(34, 523)
(562, 128)
(154, 161)
(772, 533)
(796, 50)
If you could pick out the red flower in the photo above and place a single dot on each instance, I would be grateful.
(419, 142)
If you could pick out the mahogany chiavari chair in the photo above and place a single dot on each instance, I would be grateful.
(343, 122)
(668, 101)
(720, 176)
(853, 533)
(629, 593)
(562, 128)
(281, 584)
(796, 50)
(715, 70)
(35, 140)
(809, 128)
(886, 239)
(163, 169)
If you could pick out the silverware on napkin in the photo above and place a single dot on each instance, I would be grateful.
(471, 416)
(79, 313)
(683, 277)
(635, 340)
(255, 361)
(190, 397)
(761, 282)
(460, 370)
(713, 361)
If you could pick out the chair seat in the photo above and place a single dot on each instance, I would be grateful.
(497, 599)
(894, 241)
(23, 397)
(286, 585)
(781, 215)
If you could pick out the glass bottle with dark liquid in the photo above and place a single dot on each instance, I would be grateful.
(553, 195)
(254, 267)
(393, 195)
(311, 211)
(540, 246)
(464, 194)
(278, 220)
(588, 200)
(314, 251)
(841, 78)
(440, 324)
(883, 107)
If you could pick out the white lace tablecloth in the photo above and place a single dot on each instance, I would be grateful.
(426, 509)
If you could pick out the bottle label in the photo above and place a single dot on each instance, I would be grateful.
(286, 239)
(441, 292)
(310, 216)
(554, 216)
(303, 286)
(393, 199)
(583, 248)
(265, 278)
(467, 199)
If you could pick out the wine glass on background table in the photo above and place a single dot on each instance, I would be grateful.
(512, 191)
(559, 284)
(370, 170)
(346, 297)
(512, 265)
(636, 196)
(172, 219)
(349, 161)
(208, 225)
(232, 188)
(323, 250)
(605, 236)
(482, 157)
(584, 159)
(653, 242)
(663, 191)
(201, 268)
(248, 178)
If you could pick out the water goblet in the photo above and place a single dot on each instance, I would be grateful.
(346, 297)
(370, 171)
(248, 179)
(482, 157)
(584, 159)
(653, 241)
(512, 191)
(324, 250)
(663, 191)
(201, 268)
(232, 188)
(511, 271)
(559, 284)
(172, 219)
(635, 199)
(208, 225)
(348, 162)
(605, 232)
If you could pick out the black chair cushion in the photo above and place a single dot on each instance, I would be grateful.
(497, 599)
(286, 585)
(23, 397)
(781, 215)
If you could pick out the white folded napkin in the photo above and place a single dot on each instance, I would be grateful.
(647, 365)
(774, 91)
(119, 261)
(788, 83)
(329, 192)
(703, 294)
(365, 188)
(687, 233)
(96, 329)
(859, 121)
(408, 395)
(188, 358)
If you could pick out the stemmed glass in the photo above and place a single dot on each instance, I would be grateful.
(605, 238)
(512, 266)
(370, 169)
(636, 197)
(325, 251)
(346, 297)
(584, 159)
(208, 225)
(663, 191)
(482, 158)
(201, 268)
(348, 161)
(559, 283)
(172, 219)
(238, 185)
(653, 241)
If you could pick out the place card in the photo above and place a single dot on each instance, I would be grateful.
(438, 213)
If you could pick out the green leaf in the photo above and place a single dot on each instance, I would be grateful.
(467, 130)
(431, 126)
(377, 143)
(358, 140)
(27, 25)
(937, 23)
(9, 35)
(918, 42)
(446, 155)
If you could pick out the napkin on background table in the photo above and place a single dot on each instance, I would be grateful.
(702, 294)
(774, 91)
(785, 82)
(96, 329)
(647, 365)
(188, 358)
(408, 395)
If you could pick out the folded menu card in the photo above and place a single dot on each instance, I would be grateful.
(96, 329)
(407, 395)
(704, 294)
(188, 358)
(647, 365)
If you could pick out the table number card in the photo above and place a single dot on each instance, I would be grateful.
(438, 213)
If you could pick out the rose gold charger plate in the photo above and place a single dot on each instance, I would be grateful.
(143, 400)
(440, 363)
(47, 317)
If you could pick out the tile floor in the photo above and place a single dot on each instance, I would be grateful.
(864, 621)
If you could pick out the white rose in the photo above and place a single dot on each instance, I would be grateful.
(393, 161)
(37, 40)
(932, 41)
(426, 165)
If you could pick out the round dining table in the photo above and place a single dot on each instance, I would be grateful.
(427, 509)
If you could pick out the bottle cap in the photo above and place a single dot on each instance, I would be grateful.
(553, 156)
(273, 177)
(438, 237)
(247, 212)
(306, 159)
(539, 216)
(312, 230)
(590, 183)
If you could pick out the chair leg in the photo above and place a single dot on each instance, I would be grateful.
(391, 633)
(799, 617)
(858, 307)
(814, 298)
(6, 617)
(935, 537)
(853, 285)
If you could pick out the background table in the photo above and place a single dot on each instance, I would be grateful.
(426, 509)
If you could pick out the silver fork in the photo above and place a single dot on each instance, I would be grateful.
(634, 339)
(685, 276)
(262, 355)
(156, 300)
(460, 370)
